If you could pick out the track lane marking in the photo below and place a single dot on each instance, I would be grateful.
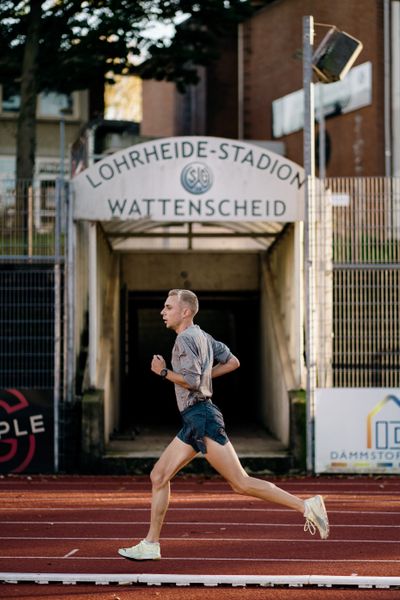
(183, 523)
(181, 559)
(191, 509)
(205, 539)
(129, 483)
(74, 551)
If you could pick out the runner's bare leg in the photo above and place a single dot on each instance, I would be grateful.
(176, 455)
(225, 460)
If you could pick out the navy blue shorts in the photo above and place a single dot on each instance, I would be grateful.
(204, 419)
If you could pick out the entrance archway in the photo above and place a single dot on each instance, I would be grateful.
(188, 197)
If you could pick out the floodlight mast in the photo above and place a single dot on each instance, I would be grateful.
(341, 50)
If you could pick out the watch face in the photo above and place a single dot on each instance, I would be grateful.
(163, 372)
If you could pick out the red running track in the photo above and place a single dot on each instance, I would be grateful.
(68, 524)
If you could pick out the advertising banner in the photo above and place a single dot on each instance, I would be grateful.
(26, 431)
(357, 430)
(191, 179)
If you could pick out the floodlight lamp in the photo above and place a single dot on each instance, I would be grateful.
(335, 55)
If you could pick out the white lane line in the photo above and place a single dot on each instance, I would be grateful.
(71, 553)
(191, 509)
(209, 497)
(187, 523)
(182, 559)
(129, 484)
(216, 481)
(205, 539)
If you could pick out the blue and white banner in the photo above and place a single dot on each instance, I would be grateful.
(357, 430)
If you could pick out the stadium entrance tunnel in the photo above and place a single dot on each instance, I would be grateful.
(242, 257)
(232, 316)
(247, 299)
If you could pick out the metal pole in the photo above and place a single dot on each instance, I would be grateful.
(386, 74)
(62, 146)
(57, 297)
(240, 81)
(395, 92)
(309, 168)
(70, 308)
(93, 329)
(57, 325)
(322, 133)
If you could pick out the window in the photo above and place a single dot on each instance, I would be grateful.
(50, 104)
(10, 99)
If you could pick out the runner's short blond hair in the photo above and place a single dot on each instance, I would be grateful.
(188, 298)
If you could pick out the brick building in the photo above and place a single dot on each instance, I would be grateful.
(237, 96)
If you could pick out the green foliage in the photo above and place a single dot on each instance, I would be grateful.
(67, 45)
(81, 41)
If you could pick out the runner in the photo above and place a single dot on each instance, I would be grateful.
(197, 359)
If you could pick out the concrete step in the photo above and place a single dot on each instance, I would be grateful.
(258, 452)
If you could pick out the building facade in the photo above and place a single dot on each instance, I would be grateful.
(242, 96)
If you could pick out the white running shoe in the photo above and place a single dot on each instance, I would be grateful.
(316, 517)
(142, 551)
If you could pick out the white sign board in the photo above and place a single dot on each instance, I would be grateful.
(340, 97)
(357, 430)
(191, 179)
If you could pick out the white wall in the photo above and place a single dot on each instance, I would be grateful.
(281, 328)
(108, 299)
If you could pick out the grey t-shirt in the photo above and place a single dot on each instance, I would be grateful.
(193, 356)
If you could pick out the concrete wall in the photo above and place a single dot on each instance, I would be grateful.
(285, 262)
(281, 333)
(211, 271)
(275, 400)
(81, 285)
(108, 298)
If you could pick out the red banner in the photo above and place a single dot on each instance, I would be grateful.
(26, 431)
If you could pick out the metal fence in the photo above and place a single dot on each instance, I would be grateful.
(364, 305)
(27, 325)
(31, 283)
(32, 215)
(32, 274)
(355, 293)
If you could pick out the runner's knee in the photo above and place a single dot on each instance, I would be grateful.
(240, 485)
(249, 486)
(158, 478)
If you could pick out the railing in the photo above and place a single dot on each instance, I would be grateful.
(365, 282)
(31, 218)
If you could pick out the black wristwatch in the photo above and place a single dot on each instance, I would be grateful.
(163, 373)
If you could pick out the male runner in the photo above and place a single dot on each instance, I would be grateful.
(197, 359)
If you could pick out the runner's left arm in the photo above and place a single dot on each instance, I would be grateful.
(222, 368)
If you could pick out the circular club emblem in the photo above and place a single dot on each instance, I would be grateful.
(26, 435)
(17, 448)
(197, 178)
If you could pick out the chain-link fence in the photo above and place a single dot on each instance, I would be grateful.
(32, 275)
(30, 213)
(362, 342)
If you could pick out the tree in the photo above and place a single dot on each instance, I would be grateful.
(67, 45)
